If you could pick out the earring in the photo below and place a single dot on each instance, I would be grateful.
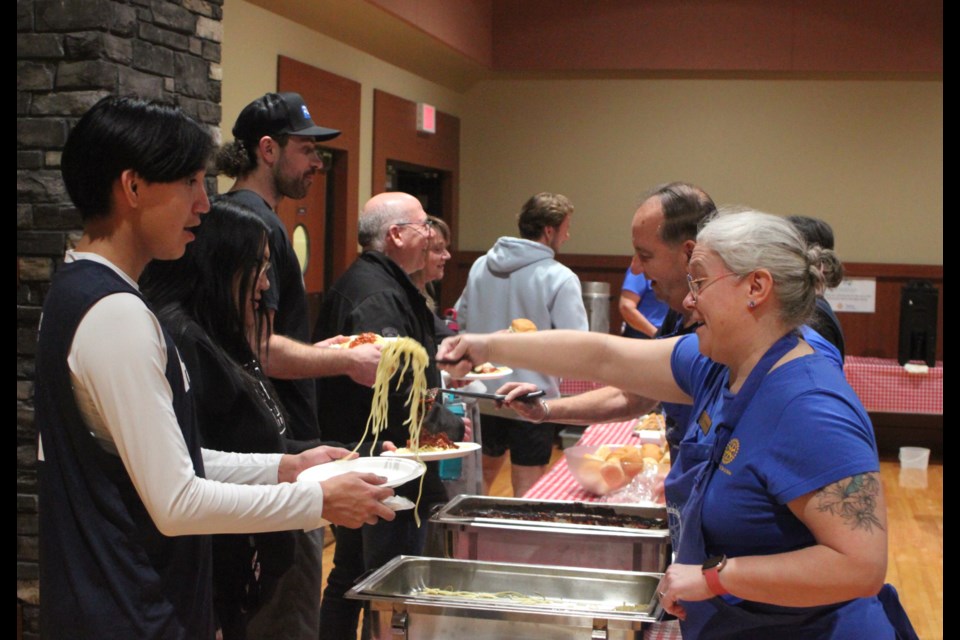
(752, 304)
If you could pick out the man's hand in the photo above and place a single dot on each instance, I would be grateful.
(467, 429)
(465, 350)
(354, 499)
(330, 342)
(291, 465)
(529, 409)
(363, 365)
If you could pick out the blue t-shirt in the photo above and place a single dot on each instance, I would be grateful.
(804, 429)
(822, 346)
(678, 415)
(649, 306)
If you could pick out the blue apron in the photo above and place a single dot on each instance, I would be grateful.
(728, 616)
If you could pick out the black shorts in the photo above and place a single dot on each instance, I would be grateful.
(530, 444)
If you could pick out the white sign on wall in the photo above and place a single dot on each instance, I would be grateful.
(854, 295)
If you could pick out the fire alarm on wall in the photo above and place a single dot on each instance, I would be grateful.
(426, 118)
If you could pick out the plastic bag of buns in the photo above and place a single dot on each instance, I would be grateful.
(606, 468)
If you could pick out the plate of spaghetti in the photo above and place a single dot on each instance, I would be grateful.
(396, 470)
(433, 450)
(361, 339)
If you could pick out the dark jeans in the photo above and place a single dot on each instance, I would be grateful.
(359, 551)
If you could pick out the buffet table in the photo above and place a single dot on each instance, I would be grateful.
(884, 386)
(559, 484)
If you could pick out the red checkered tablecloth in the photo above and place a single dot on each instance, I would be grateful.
(885, 386)
(559, 484)
(574, 387)
(669, 630)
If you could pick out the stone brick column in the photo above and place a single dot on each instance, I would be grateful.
(71, 53)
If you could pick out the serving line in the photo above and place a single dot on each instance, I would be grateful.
(559, 484)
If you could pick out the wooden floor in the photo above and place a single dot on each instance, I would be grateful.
(915, 516)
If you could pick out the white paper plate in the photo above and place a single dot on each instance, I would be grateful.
(463, 449)
(343, 345)
(346, 344)
(397, 471)
(501, 372)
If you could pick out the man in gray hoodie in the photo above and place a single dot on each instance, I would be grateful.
(519, 278)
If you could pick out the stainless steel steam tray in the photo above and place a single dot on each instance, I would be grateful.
(551, 513)
(431, 594)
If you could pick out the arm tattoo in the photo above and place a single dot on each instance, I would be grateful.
(854, 499)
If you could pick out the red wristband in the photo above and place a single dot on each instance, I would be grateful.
(711, 573)
(712, 576)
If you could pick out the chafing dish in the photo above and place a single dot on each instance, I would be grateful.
(559, 602)
(553, 532)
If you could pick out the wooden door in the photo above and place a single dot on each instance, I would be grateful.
(305, 221)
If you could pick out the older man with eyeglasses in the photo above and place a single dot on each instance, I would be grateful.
(376, 295)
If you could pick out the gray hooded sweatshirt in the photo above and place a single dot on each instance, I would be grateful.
(520, 279)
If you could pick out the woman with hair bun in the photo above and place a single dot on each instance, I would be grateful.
(777, 513)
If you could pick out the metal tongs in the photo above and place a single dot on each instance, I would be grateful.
(499, 397)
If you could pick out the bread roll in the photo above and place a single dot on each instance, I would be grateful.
(650, 450)
(522, 325)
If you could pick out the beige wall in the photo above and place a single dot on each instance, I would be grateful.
(252, 40)
(867, 156)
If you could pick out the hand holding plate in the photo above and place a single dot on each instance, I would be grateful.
(354, 499)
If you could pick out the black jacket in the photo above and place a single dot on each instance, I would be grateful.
(374, 295)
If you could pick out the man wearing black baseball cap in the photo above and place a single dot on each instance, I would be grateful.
(273, 155)
(277, 114)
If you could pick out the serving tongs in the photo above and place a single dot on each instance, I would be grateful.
(499, 397)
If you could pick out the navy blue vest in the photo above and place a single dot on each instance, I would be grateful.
(106, 571)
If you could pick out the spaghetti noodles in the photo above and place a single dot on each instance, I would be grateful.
(396, 358)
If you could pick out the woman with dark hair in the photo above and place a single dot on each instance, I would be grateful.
(824, 320)
(209, 301)
(127, 494)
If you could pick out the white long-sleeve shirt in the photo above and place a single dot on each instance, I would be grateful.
(117, 362)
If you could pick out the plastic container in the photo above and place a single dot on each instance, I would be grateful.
(587, 472)
(452, 468)
(914, 457)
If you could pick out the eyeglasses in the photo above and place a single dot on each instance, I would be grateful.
(427, 224)
(697, 285)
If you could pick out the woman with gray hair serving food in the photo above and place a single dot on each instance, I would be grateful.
(777, 514)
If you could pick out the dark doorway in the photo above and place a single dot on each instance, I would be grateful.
(425, 183)
(432, 188)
